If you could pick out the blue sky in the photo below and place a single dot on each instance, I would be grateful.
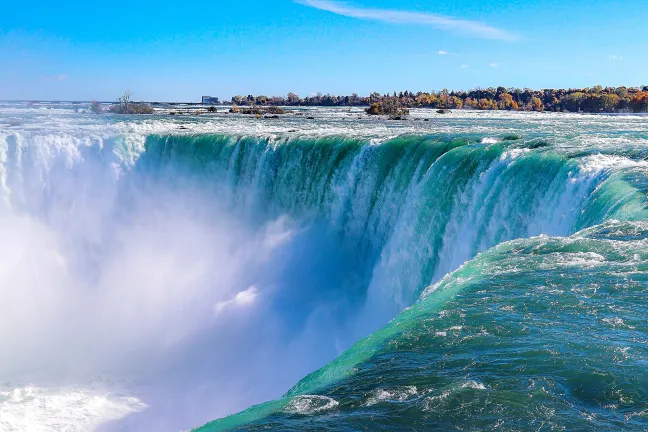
(180, 50)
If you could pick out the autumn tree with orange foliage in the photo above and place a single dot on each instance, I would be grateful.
(639, 101)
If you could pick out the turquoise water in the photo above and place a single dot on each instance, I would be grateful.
(544, 333)
(474, 271)
(537, 334)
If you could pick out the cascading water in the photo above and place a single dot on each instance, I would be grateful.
(415, 207)
(166, 277)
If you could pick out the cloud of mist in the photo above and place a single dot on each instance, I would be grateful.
(160, 289)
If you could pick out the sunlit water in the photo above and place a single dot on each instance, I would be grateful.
(159, 272)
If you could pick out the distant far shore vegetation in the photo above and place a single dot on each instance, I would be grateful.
(595, 99)
(591, 100)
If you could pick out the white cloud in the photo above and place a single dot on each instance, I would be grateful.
(494, 65)
(615, 57)
(464, 66)
(441, 22)
(441, 52)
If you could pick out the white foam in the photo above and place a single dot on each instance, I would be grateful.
(72, 409)
(310, 404)
(603, 162)
(573, 259)
(391, 395)
(473, 385)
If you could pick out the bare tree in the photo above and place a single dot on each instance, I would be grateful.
(293, 98)
(125, 99)
(96, 107)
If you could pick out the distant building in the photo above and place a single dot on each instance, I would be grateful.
(209, 100)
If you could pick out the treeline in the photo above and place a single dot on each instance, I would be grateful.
(593, 99)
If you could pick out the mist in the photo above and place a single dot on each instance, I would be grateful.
(118, 280)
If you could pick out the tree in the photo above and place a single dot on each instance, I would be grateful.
(536, 104)
(125, 99)
(390, 105)
(374, 109)
(506, 102)
(261, 100)
(639, 101)
(125, 106)
(293, 99)
(96, 107)
(592, 102)
(572, 102)
(622, 92)
(610, 102)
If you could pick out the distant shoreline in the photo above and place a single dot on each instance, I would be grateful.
(183, 109)
(588, 100)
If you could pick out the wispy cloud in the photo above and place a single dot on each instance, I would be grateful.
(441, 22)
(494, 65)
(464, 66)
(615, 57)
(441, 52)
(55, 78)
